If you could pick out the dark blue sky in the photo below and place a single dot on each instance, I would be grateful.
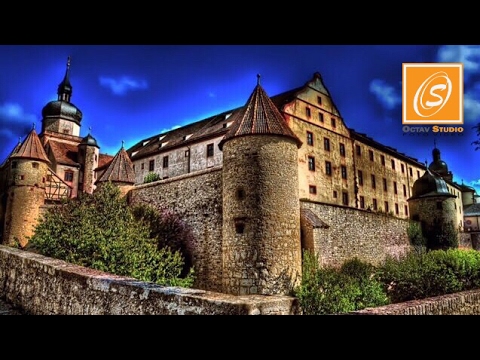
(130, 92)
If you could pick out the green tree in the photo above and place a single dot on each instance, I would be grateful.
(99, 231)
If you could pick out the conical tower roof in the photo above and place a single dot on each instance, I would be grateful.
(120, 169)
(31, 148)
(259, 116)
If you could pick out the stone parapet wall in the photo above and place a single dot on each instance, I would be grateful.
(39, 285)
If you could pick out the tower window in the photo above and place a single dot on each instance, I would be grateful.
(68, 176)
(240, 194)
(312, 189)
(239, 226)
(35, 165)
(209, 150)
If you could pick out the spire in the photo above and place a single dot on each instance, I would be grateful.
(65, 88)
(259, 116)
(31, 148)
(120, 169)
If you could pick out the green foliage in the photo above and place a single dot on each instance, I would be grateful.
(99, 231)
(415, 235)
(330, 290)
(151, 177)
(168, 230)
(432, 273)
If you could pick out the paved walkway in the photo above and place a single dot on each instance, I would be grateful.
(7, 309)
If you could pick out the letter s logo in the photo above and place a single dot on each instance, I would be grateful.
(436, 82)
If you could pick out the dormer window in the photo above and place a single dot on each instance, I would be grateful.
(145, 142)
(186, 137)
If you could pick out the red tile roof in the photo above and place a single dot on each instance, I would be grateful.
(64, 153)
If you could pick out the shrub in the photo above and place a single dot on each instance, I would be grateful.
(415, 235)
(151, 177)
(99, 231)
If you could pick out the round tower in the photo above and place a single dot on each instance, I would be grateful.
(25, 190)
(434, 207)
(88, 154)
(261, 209)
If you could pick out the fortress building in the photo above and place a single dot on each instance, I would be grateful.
(257, 185)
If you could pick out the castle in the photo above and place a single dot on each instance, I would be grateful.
(257, 184)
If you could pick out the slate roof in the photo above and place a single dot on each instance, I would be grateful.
(31, 148)
(472, 210)
(120, 169)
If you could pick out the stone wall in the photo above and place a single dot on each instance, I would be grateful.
(39, 285)
(355, 233)
(197, 199)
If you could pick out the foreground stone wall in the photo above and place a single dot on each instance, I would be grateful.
(39, 285)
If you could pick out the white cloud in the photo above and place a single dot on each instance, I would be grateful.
(469, 55)
(14, 113)
(121, 86)
(386, 94)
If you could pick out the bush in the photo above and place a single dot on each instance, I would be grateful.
(415, 235)
(331, 290)
(99, 231)
(151, 177)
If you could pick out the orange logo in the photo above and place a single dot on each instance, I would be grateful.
(432, 93)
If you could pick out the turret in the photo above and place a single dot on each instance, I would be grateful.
(88, 155)
(28, 167)
(261, 209)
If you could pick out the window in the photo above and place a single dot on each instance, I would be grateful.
(411, 171)
(14, 164)
(405, 208)
(386, 206)
(328, 168)
(374, 184)
(375, 205)
(312, 189)
(342, 149)
(319, 100)
(418, 173)
(68, 176)
(311, 163)
(187, 153)
(403, 168)
(396, 209)
(307, 112)
(209, 150)
(382, 159)
(335, 194)
(320, 117)
(395, 191)
(362, 202)
(370, 155)
(326, 144)
(35, 165)
(345, 198)
(142, 166)
(360, 177)
(151, 165)
(344, 172)
(165, 162)
(393, 164)
(334, 122)
(385, 184)
(309, 138)
(404, 190)
(358, 150)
